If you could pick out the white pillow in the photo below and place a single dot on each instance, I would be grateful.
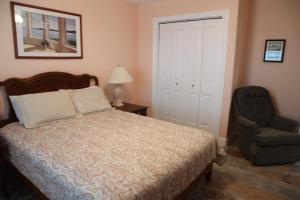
(16, 108)
(91, 99)
(40, 108)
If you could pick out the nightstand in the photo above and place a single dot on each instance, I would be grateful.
(3, 168)
(133, 108)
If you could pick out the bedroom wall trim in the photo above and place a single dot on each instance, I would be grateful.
(224, 14)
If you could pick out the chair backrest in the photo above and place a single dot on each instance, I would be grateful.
(255, 104)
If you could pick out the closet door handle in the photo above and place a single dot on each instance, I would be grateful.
(193, 85)
(176, 83)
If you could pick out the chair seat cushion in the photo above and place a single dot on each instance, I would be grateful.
(272, 137)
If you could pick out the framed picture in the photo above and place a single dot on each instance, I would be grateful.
(43, 33)
(274, 51)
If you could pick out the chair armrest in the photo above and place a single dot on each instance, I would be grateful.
(284, 124)
(247, 133)
(248, 124)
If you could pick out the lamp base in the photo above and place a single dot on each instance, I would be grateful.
(117, 103)
(117, 94)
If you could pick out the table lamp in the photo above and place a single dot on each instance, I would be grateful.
(118, 77)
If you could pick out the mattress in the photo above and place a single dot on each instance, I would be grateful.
(110, 155)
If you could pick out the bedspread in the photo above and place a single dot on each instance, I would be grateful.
(110, 155)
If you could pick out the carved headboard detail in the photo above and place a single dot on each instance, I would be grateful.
(45, 82)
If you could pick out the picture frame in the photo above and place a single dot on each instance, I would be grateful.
(274, 50)
(44, 33)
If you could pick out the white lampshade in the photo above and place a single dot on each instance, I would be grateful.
(120, 75)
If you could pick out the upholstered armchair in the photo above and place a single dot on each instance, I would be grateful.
(264, 138)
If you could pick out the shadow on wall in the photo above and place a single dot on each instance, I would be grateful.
(3, 104)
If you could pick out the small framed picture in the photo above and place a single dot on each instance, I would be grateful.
(274, 50)
(45, 33)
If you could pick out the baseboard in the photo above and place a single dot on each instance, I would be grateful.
(222, 142)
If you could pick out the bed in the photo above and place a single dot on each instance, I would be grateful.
(104, 155)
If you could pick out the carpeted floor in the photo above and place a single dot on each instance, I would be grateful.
(236, 180)
(239, 180)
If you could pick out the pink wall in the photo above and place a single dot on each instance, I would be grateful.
(242, 39)
(109, 39)
(116, 32)
(146, 14)
(275, 19)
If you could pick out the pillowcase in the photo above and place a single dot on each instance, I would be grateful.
(91, 99)
(37, 109)
(16, 108)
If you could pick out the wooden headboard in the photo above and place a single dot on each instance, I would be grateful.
(45, 82)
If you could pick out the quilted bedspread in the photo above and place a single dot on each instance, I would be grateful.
(110, 155)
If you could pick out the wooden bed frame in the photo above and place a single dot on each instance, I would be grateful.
(53, 81)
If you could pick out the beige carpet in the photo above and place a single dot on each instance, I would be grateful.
(237, 179)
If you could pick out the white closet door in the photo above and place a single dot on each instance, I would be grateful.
(212, 73)
(178, 81)
(172, 61)
(166, 48)
(192, 69)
